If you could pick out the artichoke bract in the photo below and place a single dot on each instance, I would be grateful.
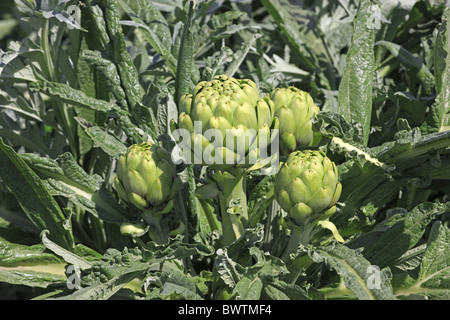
(146, 176)
(241, 121)
(307, 187)
(294, 109)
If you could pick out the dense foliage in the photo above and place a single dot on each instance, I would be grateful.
(83, 81)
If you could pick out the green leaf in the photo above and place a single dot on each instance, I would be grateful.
(177, 285)
(29, 265)
(72, 96)
(64, 177)
(368, 282)
(284, 20)
(109, 275)
(68, 256)
(106, 141)
(436, 261)
(433, 279)
(229, 271)
(104, 291)
(155, 28)
(280, 290)
(248, 289)
(176, 249)
(36, 276)
(33, 197)
(13, 255)
(414, 65)
(127, 71)
(240, 55)
(108, 71)
(403, 235)
(438, 118)
(260, 199)
(185, 64)
(355, 89)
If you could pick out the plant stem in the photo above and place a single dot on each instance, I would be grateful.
(297, 266)
(299, 235)
(65, 113)
(155, 231)
(233, 203)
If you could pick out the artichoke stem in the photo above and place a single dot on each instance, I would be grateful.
(155, 231)
(299, 235)
(233, 205)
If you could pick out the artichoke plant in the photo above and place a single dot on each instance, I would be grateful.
(146, 179)
(294, 109)
(229, 125)
(307, 189)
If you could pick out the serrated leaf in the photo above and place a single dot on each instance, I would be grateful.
(106, 141)
(146, 16)
(67, 255)
(125, 67)
(435, 267)
(368, 282)
(72, 96)
(438, 118)
(240, 55)
(104, 291)
(185, 64)
(248, 289)
(32, 195)
(176, 249)
(227, 268)
(355, 89)
(280, 290)
(433, 278)
(413, 64)
(177, 285)
(403, 235)
(64, 177)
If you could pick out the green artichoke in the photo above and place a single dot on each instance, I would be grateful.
(235, 110)
(294, 109)
(146, 177)
(307, 187)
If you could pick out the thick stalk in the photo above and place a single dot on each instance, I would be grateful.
(299, 235)
(297, 267)
(233, 203)
(155, 231)
(270, 230)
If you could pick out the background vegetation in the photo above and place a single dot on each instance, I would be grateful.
(74, 94)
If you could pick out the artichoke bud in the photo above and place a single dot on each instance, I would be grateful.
(234, 108)
(307, 187)
(294, 109)
(145, 176)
